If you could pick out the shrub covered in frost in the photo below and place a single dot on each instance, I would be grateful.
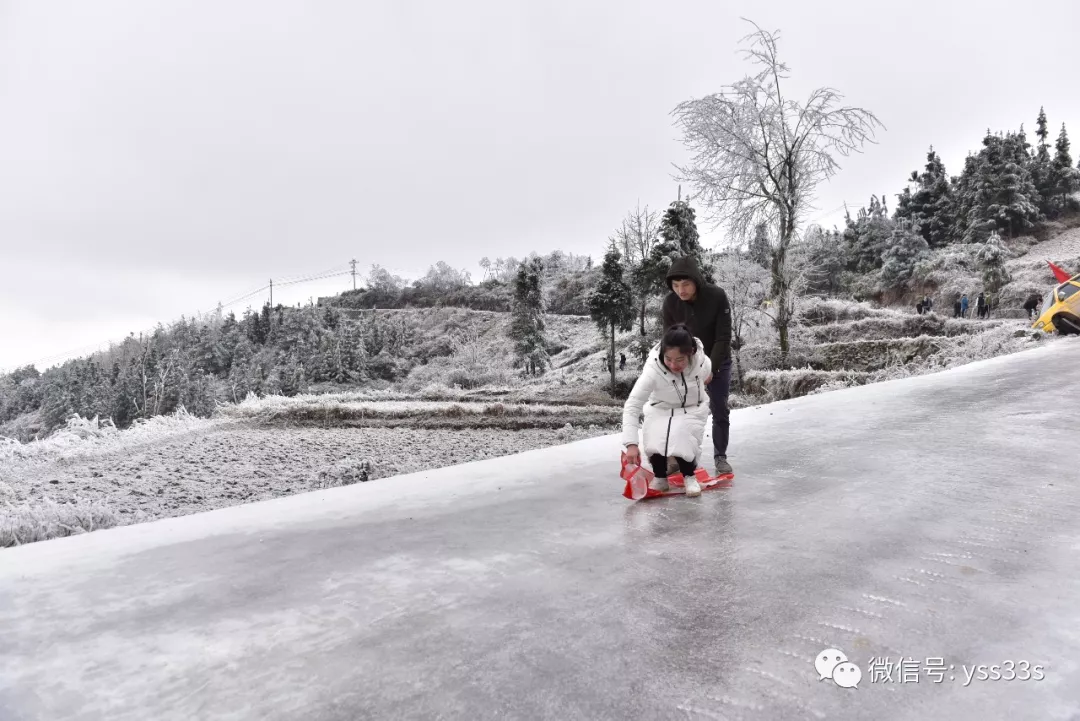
(84, 438)
(816, 310)
(777, 385)
(347, 472)
(45, 519)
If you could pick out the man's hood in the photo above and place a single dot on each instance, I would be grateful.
(686, 267)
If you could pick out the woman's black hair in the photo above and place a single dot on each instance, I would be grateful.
(678, 336)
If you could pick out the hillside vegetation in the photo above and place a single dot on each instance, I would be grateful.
(456, 354)
(551, 329)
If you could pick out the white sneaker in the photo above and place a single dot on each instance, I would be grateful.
(659, 484)
(693, 488)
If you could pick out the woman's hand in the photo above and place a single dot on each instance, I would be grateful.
(708, 379)
(633, 455)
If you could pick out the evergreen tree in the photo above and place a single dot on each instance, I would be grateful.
(1022, 154)
(354, 353)
(905, 198)
(825, 250)
(906, 249)
(964, 197)
(679, 237)
(931, 207)
(1017, 192)
(760, 250)
(679, 227)
(331, 317)
(991, 259)
(611, 304)
(1064, 178)
(1042, 134)
(867, 237)
(1004, 197)
(59, 401)
(229, 336)
(240, 380)
(527, 318)
(292, 377)
(1040, 165)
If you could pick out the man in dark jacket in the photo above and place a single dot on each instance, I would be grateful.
(1031, 305)
(705, 309)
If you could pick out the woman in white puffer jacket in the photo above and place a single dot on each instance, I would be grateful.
(671, 392)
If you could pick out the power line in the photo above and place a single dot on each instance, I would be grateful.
(320, 277)
(340, 266)
(235, 301)
(827, 213)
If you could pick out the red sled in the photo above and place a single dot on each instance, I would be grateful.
(638, 477)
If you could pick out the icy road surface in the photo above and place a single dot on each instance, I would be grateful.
(929, 518)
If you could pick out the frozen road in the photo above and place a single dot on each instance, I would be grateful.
(935, 517)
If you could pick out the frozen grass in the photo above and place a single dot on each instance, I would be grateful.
(25, 427)
(335, 411)
(45, 519)
(934, 354)
(874, 354)
(819, 311)
(896, 325)
(346, 473)
(777, 385)
(82, 438)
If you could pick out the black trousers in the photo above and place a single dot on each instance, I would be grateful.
(659, 465)
(718, 403)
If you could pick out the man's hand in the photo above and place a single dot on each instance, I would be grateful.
(633, 455)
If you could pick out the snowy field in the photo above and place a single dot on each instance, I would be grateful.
(86, 479)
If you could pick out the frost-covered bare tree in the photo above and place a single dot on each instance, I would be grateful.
(758, 157)
(746, 284)
(635, 238)
(800, 268)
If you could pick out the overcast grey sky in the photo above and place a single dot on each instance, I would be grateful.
(157, 157)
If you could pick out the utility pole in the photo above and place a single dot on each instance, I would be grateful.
(271, 292)
(353, 264)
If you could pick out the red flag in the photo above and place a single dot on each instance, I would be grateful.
(1061, 275)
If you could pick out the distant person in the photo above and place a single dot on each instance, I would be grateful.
(926, 304)
(956, 308)
(1031, 305)
(919, 307)
(980, 305)
(672, 393)
(622, 361)
(705, 310)
(963, 305)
